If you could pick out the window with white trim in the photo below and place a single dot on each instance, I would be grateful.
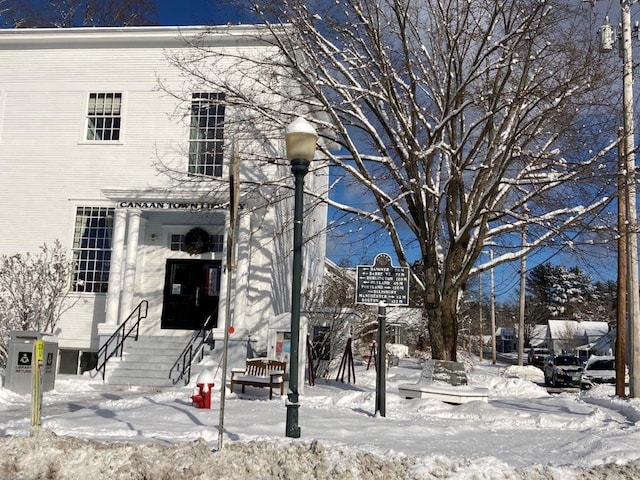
(92, 249)
(206, 134)
(104, 117)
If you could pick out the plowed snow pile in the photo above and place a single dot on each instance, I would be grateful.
(47, 456)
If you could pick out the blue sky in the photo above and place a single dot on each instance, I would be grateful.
(197, 12)
(218, 12)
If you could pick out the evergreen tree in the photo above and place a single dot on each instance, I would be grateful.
(561, 291)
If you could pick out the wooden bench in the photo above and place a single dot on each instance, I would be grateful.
(260, 372)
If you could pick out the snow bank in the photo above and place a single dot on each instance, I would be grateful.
(96, 431)
(45, 455)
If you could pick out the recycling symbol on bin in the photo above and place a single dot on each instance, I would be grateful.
(24, 358)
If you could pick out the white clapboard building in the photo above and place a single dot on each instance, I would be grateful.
(103, 148)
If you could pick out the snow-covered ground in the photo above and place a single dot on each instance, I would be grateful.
(93, 431)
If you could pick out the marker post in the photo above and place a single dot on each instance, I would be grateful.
(36, 383)
(382, 284)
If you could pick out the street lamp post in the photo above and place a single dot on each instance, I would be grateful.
(300, 140)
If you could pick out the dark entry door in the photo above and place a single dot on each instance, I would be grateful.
(191, 294)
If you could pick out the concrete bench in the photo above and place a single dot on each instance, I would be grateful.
(445, 381)
(261, 373)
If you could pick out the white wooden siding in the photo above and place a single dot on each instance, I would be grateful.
(47, 168)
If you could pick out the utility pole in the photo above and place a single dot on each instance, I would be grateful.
(621, 317)
(631, 231)
(627, 172)
(523, 277)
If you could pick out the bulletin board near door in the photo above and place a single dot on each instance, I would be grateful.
(283, 345)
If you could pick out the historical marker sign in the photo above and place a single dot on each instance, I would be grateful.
(382, 282)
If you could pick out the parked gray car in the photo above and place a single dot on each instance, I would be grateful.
(537, 355)
(565, 370)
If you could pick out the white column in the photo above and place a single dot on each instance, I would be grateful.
(241, 284)
(115, 272)
(131, 257)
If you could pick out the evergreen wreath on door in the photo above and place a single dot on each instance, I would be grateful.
(196, 241)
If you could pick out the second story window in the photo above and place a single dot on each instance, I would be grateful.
(103, 117)
(206, 134)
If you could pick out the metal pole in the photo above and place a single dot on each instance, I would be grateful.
(223, 381)
(381, 372)
(632, 235)
(492, 286)
(299, 169)
(234, 192)
(480, 315)
(36, 383)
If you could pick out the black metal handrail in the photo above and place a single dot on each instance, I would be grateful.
(182, 365)
(120, 335)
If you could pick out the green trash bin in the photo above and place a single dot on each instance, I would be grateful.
(21, 361)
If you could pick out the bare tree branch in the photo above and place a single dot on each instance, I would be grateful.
(452, 123)
(79, 13)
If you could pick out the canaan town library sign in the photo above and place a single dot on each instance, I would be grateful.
(172, 205)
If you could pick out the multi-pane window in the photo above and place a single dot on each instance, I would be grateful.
(215, 243)
(206, 134)
(178, 244)
(92, 249)
(103, 116)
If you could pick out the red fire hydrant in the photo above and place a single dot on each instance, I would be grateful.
(201, 397)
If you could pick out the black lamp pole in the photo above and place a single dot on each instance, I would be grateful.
(299, 169)
(301, 143)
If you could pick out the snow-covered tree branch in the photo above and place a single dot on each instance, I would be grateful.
(454, 123)
(76, 13)
(34, 291)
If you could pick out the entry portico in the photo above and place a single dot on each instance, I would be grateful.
(154, 258)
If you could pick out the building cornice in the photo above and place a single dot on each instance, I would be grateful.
(134, 37)
(147, 194)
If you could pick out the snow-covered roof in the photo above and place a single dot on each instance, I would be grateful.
(505, 332)
(538, 335)
(558, 328)
(605, 344)
(595, 328)
(404, 315)
(564, 328)
(333, 268)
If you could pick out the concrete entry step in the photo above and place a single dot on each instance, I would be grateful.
(147, 361)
